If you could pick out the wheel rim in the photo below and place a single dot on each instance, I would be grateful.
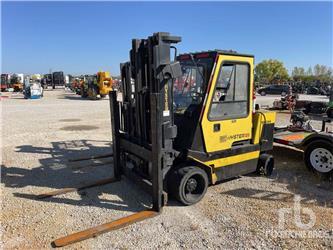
(194, 187)
(321, 160)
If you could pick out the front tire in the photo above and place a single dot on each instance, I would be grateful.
(188, 184)
(319, 156)
(262, 93)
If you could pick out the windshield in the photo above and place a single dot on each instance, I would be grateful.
(189, 88)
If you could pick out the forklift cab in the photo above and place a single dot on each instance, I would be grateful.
(212, 98)
(213, 112)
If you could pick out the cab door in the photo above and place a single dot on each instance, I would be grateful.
(227, 117)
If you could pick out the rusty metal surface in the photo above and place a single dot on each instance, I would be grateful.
(94, 231)
(67, 190)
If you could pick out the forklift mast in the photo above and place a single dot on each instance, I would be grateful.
(143, 125)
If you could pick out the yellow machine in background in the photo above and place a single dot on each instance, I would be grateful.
(16, 82)
(104, 82)
(97, 86)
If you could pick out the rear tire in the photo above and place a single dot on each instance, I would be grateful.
(318, 156)
(188, 184)
(329, 112)
(265, 165)
(262, 93)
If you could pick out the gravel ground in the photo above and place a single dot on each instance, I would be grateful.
(38, 138)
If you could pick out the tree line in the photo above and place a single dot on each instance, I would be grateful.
(274, 72)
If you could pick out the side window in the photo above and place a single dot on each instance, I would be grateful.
(231, 95)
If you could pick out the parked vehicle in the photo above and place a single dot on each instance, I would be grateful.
(16, 82)
(32, 90)
(5, 80)
(317, 145)
(316, 91)
(58, 79)
(274, 90)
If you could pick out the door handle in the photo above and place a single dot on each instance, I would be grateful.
(217, 127)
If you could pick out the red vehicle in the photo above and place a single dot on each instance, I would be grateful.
(4, 82)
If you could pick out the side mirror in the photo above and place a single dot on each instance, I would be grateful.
(257, 107)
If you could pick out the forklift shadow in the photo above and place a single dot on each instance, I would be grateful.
(286, 154)
(259, 194)
(291, 172)
(57, 172)
(71, 97)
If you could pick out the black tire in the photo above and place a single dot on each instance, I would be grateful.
(329, 112)
(262, 93)
(318, 156)
(84, 94)
(188, 184)
(92, 92)
(265, 165)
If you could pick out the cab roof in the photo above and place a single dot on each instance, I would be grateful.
(210, 53)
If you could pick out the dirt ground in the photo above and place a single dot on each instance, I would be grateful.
(40, 136)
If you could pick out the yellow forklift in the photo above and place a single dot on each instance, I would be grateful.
(96, 86)
(183, 125)
(16, 82)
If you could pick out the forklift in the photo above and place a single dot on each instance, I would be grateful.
(16, 82)
(97, 86)
(181, 125)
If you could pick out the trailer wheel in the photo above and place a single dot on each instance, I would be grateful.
(319, 156)
(188, 184)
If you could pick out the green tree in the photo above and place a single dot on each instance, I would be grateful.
(298, 71)
(309, 71)
(322, 73)
(270, 70)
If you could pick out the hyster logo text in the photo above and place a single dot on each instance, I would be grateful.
(225, 138)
